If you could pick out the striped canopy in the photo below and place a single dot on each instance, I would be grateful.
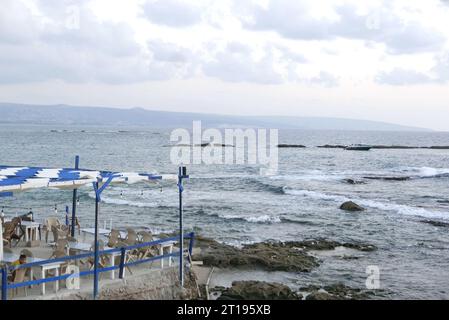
(13, 179)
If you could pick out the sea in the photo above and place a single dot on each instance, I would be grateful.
(237, 205)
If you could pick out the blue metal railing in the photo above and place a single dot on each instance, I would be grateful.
(122, 265)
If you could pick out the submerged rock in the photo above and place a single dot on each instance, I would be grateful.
(388, 178)
(322, 244)
(436, 223)
(351, 206)
(258, 290)
(336, 291)
(352, 181)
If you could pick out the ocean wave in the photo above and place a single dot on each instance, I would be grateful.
(384, 206)
(253, 219)
(425, 172)
(313, 175)
(314, 194)
(123, 202)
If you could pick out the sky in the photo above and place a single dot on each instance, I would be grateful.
(385, 60)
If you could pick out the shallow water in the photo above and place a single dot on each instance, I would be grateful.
(236, 205)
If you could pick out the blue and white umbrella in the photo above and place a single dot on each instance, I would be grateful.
(13, 179)
(16, 179)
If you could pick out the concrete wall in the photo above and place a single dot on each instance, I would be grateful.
(158, 284)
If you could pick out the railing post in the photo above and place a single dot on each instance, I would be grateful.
(4, 283)
(72, 230)
(192, 236)
(122, 263)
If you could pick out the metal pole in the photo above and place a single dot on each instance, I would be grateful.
(4, 283)
(97, 200)
(75, 192)
(181, 231)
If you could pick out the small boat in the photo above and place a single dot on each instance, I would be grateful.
(358, 147)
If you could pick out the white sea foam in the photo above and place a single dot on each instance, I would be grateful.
(425, 172)
(312, 175)
(124, 202)
(384, 206)
(253, 219)
(314, 194)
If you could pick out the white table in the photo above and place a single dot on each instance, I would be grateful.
(101, 232)
(87, 247)
(31, 230)
(9, 258)
(162, 246)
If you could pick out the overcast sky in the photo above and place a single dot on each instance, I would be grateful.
(379, 60)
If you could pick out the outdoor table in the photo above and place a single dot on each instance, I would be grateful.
(9, 258)
(162, 246)
(31, 230)
(87, 247)
(101, 232)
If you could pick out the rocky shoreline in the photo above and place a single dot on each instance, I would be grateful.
(290, 256)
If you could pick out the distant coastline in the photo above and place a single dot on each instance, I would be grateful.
(66, 115)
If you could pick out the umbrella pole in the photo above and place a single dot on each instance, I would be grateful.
(75, 192)
(97, 200)
(181, 230)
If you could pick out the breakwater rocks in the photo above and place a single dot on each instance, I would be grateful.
(339, 146)
(261, 290)
(258, 290)
(291, 256)
(388, 178)
(291, 146)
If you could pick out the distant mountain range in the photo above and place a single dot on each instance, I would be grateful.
(77, 115)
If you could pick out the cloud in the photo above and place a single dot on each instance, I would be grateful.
(325, 79)
(438, 74)
(235, 63)
(401, 77)
(52, 47)
(173, 13)
(297, 20)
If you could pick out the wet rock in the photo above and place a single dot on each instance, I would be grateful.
(266, 256)
(320, 295)
(337, 291)
(393, 147)
(290, 256)
(352, 181)
(259, 290)
(323, 244)
(388, 178)
(263, 256)
(351, 206)
(283, 145)
(332, 146)
(436, 223)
